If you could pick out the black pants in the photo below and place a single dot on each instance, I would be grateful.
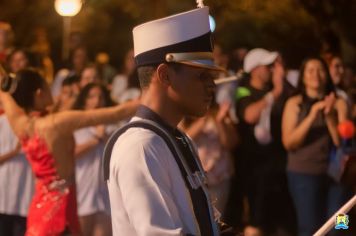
(12, 225)
(271, 206)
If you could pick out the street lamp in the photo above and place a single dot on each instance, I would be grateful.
(67, 9)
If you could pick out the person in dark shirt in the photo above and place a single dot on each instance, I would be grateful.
(261, 163)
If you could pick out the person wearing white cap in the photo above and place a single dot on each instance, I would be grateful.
(260, 152)
(259, 63)
(155, 180)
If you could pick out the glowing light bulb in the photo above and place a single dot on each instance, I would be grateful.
(68, 7)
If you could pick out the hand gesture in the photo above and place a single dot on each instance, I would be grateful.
(329, 103)
(223, 112)
(18, 147)
(100, 132)
(316, 108)
(277, 78)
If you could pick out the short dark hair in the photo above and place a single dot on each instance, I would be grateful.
(72, 79)
(28, 81)
(34, 59)
(145, 73)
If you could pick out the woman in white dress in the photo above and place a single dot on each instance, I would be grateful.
(92, 195)
(16, 182)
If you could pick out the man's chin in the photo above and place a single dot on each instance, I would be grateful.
(199, 114)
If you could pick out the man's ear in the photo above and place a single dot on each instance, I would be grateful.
(38, 91)
(163, 74)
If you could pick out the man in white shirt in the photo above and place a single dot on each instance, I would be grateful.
(156, 183)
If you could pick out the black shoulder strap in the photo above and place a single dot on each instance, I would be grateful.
(146, 124)
(192, 180)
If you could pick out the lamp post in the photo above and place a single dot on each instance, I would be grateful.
(67, 9)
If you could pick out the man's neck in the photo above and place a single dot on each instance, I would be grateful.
(256, 83)
(163, 107)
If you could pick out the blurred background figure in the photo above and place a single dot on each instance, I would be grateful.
(350, 88)
(216, 137)
(261, 158)
(89, 75)
(309, 132)
(105, 70)
(337, 73)
(220, 57)
(6, 40)
(76, 40)
(16, 182)
(68, 94)
(92, 193)
(125, 85)
(40, 46)
(78, 61)
(20, 59)
(237, 57)
(225, 93)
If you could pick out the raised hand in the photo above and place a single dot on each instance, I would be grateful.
(277, 78)
(100, 132)
(223, 111)
(7, 83)
(316, 108)
(329, 103)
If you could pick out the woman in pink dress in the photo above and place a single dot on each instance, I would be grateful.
(47, 139)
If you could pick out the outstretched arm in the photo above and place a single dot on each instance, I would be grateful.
(69, 121)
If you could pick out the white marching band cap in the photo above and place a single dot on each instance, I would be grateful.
(258, 57)
(182, 38)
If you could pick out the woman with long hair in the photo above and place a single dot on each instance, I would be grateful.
(337, 73)
(48, 142)
(92, 194)
(309, 131)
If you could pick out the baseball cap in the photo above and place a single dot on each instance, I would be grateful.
(258, 57)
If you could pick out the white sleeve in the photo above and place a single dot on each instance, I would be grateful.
(262, 129)
(146, 187)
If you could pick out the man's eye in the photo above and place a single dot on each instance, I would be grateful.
(206, 75)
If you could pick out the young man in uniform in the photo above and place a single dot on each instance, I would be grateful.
(156, 183)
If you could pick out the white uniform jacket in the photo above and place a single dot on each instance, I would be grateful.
(148, 195)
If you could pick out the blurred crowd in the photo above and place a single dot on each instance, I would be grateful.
(266, 144)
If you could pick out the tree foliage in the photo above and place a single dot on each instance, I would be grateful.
(294, 27)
